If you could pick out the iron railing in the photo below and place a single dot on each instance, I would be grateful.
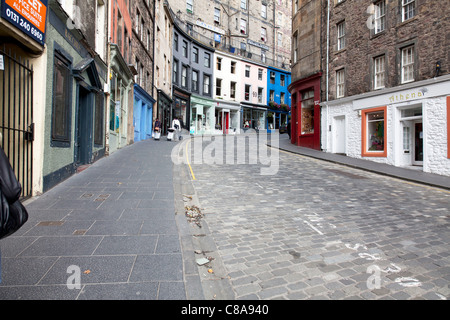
(16, 116)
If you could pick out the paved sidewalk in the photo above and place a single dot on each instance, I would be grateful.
(413, 175)
(113, 224)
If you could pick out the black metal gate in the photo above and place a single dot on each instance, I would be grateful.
(16, 115)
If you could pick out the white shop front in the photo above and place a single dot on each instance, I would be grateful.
(405, 126)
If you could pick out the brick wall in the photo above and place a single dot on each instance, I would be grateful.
(426, 31)
(142, 43)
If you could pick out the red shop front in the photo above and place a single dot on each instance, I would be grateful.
(305, 112)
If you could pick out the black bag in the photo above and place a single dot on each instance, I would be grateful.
(12, 216)
(12, 213)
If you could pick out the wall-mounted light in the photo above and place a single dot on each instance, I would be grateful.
(438, 68)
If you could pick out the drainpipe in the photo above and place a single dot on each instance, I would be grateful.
(108, 76)
(328, 70)
(328, 49)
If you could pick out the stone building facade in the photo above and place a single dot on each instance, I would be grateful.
(258, 30)
(384, 79)
(142, 52)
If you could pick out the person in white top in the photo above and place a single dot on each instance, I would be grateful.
(177, 126)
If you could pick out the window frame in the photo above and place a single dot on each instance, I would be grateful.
(195, 53)
(63, 140)
(406, 9)
(365, 128)
(340, 35)
(408, 65)
(207, 85)
(195, 82)
(377, 73)
(340, 86)
(247, 97)
(207, 60)
(379, 19)
(184, 77)
(247, 71)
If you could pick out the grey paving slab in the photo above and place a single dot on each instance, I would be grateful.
(115, 227)
(94, 269)
(120, 291)
(46, 246)
(111, 245)
(56, 292)
(160, 267)
(25, 270)
(115, 221)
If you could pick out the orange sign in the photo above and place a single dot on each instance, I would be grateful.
(32, 10)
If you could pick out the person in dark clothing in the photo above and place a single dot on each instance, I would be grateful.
(289, 128)
(157, 125)
(12, 213)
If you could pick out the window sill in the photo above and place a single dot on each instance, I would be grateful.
(403, 23)
(340, 51)
(374, 35)
(372, 154)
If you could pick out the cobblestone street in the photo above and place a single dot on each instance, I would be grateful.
(319, 230)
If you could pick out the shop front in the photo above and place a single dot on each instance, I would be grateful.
(121, 88)
(253, 117)
(202, 116)
(227, 117)
(164, 110)
(305, 110)
(406, 126)
(142, 114)
(181, 108)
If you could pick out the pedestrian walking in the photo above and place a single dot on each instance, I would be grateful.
(177, 126)
(157, 129)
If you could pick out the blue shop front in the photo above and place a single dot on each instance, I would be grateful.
(142, 114)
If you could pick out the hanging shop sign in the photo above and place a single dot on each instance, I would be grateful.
(29, 16)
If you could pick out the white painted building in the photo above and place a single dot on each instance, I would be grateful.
(227, 81)
(404, 126)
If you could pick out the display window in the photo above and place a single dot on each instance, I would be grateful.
(374, 132)
(307, 113)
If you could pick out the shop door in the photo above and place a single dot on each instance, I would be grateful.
(83, 142)
(339, 135)
(225, 122)
(418, 144)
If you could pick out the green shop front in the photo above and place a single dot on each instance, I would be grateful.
(202, 116)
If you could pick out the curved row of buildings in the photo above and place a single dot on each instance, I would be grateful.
(80, 79)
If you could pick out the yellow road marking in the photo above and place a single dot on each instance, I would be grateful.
(187, 160)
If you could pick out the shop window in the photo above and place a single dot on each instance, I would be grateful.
(406, 139)
(307, 113)
(374, 132)
(61, 112)
(98, 122)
